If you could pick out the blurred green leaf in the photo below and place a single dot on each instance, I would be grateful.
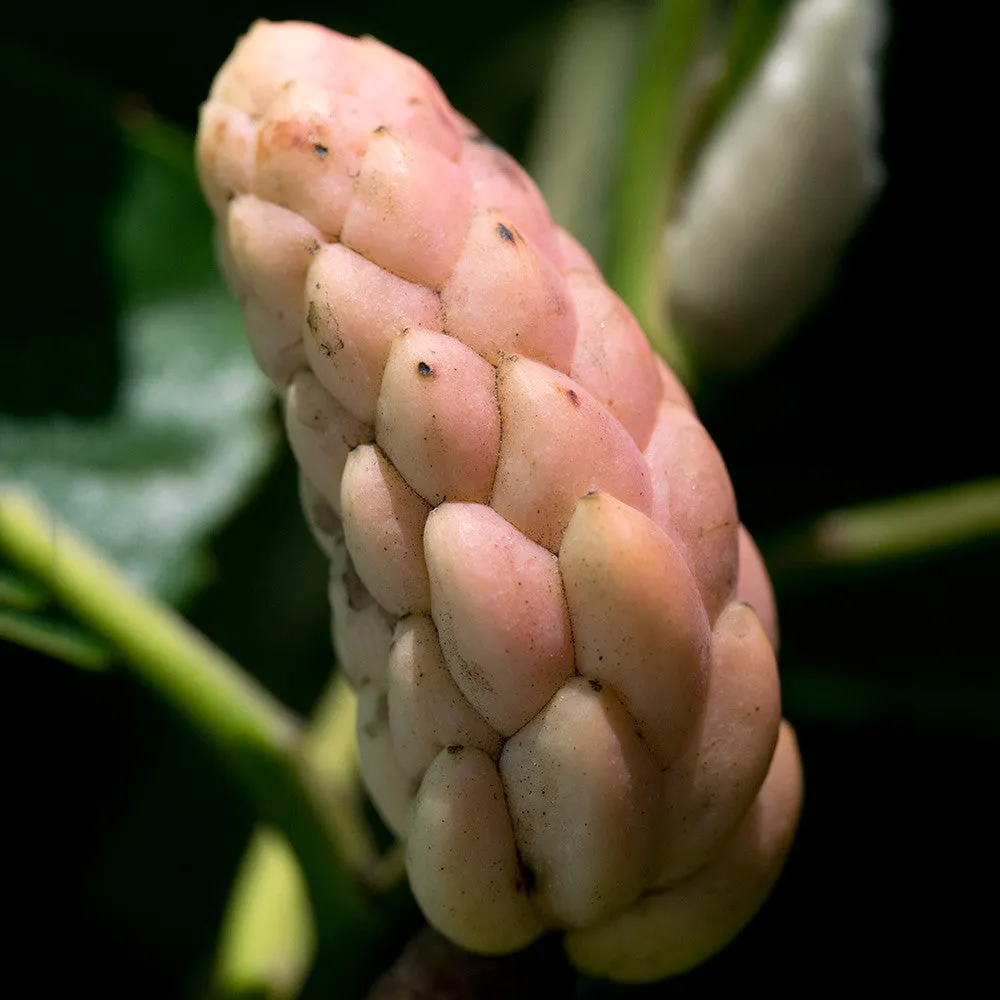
(162, 237)
(190, 433)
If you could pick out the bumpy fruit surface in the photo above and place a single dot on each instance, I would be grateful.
(568, 704)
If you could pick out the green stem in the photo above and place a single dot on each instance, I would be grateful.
(750, 27)
(577, 135)
(267, 943)
(256, 737)
(54, 639)
(20, 595)
(649, 177)
(331, 747)
(885, 531)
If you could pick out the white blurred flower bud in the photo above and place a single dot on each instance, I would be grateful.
(781, 186)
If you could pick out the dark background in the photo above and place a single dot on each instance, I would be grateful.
(126, 835)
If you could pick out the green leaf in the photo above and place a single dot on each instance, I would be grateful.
(162, 237)
(190, 433)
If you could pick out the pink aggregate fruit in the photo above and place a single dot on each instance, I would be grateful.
(562, 639)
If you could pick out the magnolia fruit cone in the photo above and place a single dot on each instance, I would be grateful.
(568, 698)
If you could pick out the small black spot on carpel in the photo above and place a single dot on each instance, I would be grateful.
(455, 748)
(573, 397)
(595, 684)
(380, 129)
(424, 369)
(325, 349)
(320, 150)
(313, 247)
(504, 233)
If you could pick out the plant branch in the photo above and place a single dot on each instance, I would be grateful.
(887, 531)
(20, 595)
(649, 175)
(54, 639)
(268, 941)
(577, 135)
(254, 735)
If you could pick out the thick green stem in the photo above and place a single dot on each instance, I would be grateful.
(267, 943)
(752, 27)
(649, 178)
(256, 737)
(268, 939)
(577, 134)
(749, 29)
(177, 662)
